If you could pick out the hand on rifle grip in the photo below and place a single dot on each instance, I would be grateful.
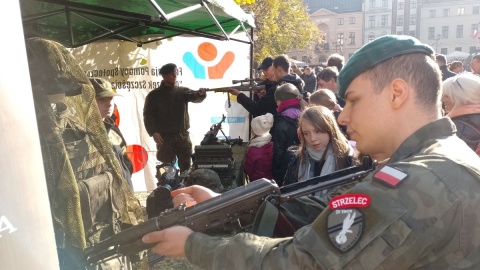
(202, 91)
(170, 242)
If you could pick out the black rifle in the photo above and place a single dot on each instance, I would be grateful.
(225, 208)
(211, 135)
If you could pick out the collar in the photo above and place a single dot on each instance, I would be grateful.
(424, 137)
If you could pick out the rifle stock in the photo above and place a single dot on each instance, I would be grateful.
(227, 207)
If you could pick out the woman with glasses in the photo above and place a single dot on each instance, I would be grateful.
(461, 97)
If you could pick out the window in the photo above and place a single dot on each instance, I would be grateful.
(461, 11)
(384, 3)
(384, 20)
(473, 49)
(443, 51)
(432, 13)
(411, 33)
(371, 37)
(340, 21)
(476, 10)
(399, 32)
(459, 31)
(322, 58)
(446, 12)
(339, 38)
(371, 20)
(351, 36)
(400, 5)
(305, 59)
(413, 19)
(444, 31)
(459, 49)
(351, 20)
(474, 28)
(372, 3)
(413, 4)
(400, 20)
(431, 32)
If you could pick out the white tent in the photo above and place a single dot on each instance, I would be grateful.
(457, 55)
(298, 63)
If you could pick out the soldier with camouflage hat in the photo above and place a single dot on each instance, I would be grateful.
(418, 211)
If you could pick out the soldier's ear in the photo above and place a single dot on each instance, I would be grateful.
(398, 92)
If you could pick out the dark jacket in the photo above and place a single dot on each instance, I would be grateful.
(166, 109)
(466, 125)
(446, 73)
(310, 82)
(293, 79)
(285, 135)
(265, 104)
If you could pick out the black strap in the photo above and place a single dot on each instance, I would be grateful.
(470, 125)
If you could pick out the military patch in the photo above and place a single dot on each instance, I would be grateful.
(349, 201)
(390, 176)
(345, 228)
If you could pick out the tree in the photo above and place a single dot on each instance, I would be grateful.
(281, 26)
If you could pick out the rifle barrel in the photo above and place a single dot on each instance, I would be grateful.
(240, 88)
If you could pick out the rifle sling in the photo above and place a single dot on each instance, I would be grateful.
(265, 219)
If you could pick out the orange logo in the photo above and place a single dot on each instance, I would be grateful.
(208, 52)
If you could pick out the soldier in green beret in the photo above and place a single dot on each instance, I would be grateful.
(166, 118)
(417, 211)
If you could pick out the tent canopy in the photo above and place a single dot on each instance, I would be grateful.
(457, 55)
(78, 22)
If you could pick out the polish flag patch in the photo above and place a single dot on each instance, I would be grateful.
(390, 176)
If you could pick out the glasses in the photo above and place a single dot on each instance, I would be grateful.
(456, 80)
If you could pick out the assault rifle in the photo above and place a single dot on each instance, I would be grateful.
(225, 208)
(251, 87)
(211, 135)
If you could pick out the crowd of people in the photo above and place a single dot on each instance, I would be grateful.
(388, 101)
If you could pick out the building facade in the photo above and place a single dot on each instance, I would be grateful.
(378, 19)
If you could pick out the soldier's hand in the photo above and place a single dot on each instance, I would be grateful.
(183, 198)
(261, 93)
(233, 91)
(157, 138)
(203, 91)
(170, 242)
(197, 193)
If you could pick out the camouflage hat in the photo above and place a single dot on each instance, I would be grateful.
(205, 177)
(375, 52)
(103, 88)
(168, 68)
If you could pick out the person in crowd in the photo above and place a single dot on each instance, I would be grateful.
(166, 118)
(475, 64)
(336, 60)
(290, 106)
(104, 94)
(456, 67)
(296, 70)
(442, 64)
(310, 80)
(325, 97)
(266, 103)
(281, 67)
(259, 154)
(328, 78)
(418, 211)
(461, 96)
(90, 199)
(317, 70)
(323, 148)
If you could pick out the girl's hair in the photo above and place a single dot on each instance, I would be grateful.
(462, 89)
(324, 121)
(454, 64)
(324, 97)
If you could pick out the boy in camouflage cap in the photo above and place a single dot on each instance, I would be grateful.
(418, 211)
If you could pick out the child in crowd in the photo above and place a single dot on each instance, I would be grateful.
(290, 105)
(259, 155)
(323, 148)
(326, 98)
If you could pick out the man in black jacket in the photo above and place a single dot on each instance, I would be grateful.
(442, 64)
(310, 80)
(266, 103)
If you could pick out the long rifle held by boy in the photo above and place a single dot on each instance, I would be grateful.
(225, 208)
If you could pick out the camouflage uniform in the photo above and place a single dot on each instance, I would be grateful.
(429, 221)
(166, 112)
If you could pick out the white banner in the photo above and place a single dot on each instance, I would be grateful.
(134, 72)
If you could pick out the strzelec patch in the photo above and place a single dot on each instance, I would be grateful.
(345, 228)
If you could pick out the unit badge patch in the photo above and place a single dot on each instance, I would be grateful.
(345, 228)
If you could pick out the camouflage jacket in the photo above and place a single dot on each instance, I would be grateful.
(428, 221)
(166, 109)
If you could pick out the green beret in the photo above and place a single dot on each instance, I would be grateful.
(375, 52)
(168, 68)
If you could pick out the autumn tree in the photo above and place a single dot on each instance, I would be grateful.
(281, 25)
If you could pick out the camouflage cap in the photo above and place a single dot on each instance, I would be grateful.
(103, 88)
(375, 52)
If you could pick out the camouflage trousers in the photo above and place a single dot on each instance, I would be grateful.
(176, 146)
